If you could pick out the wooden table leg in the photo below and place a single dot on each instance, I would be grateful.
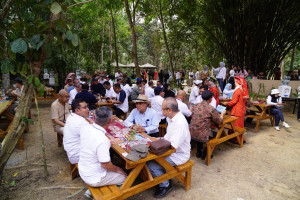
(132, 176)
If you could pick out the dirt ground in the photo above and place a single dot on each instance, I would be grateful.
(267, 167)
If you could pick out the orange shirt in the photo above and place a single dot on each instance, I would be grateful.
(216, 94)
(237, 103)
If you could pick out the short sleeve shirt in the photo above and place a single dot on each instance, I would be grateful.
(59, 111)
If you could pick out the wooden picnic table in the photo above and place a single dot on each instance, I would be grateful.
(99, 104)
(140, 168)
(264, 113)
(222, 135)
(49, 95)
(4, 112)
(295, 99)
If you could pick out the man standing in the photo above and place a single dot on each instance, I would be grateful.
(177, 77)
(118, 74)
(179, 135)
(183, 108)
(95, 166)
(121, 101)
(191, 77)
(60, 111)
(221, 74)
(149, 91)
(136, 91)
(156, 103)
(77, 88)
(97, 88)
(197, 75)
(161, 76)
(142, 118)
(74, 123)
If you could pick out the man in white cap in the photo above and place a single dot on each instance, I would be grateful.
(221, 74)
(195, 91)
(142, 118)
(276, 101)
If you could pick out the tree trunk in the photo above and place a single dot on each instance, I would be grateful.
(293, 59)
(17, 128)
(5, 9)
(133, 36)
(5, 77)
(102, 39)
(115, 38)
(110, 51)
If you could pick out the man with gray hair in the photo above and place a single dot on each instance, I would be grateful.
(77, 88)
(95, 166)
(179, 135)
(60, 111)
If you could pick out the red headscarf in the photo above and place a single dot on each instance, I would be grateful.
(69, 76)
(241, 81)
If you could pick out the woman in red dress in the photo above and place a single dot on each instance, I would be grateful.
(155, 75)
(238, 102)
(213, 88)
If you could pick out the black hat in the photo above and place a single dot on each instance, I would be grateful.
(18, 80)
(157, 90)
(206, 95)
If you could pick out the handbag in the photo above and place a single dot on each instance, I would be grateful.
(159, 147)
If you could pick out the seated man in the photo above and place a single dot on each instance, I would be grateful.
(89, 98)
(126, 88)
(183, 108)
(195, 91)
(149, 91)
(74, 123)
(203, 116)
(121, 101)
(109, 93)
(137, 90)
(156, 103)
(18, 84)
(199, 98)
(145, 118)
(95, 166)
(97, 88)
(77, 88)
(60, 111)
(179, 135)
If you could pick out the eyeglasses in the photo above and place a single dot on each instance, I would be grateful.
(166, 108)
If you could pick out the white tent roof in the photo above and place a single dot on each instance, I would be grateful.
(147, 65)
(115, 64)
(131, 65)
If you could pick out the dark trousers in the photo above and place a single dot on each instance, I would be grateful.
(278, 115)
(221, 83)
(117, 111)
(154, 134)
(200, 151)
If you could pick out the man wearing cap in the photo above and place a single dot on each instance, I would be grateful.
(109, 93)
(89, 98)
(97, 88)
(221, 74)
(183, 108)
(178, 135)
(156, 103)
(95, 166)
(203, 116)
(69, 84)
(121, 101)
(195, 91)
(203, 88)
(142, 118)
(18, 84)
(60, 111)
(149, 91)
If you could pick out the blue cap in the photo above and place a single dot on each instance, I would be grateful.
(157, 90)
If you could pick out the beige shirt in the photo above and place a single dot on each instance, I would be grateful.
(19, 92)
(59, 111)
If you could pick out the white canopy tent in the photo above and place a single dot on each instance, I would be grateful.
(115, 64)
(131, 65)
(147, 65)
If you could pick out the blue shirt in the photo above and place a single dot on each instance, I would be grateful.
(70, 88)
(149, 120)
(89, 98)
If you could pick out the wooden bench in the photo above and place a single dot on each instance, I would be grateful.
(74, 170)
(162, 130)
(113, 192)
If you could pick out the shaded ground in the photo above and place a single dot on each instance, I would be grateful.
(267, 167)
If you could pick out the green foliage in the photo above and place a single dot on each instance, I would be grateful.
(7, 66)
(18, 46)
(25, 120)
(55, 8)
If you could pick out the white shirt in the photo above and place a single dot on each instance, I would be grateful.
(102, 81)
(213, 103)
(149, 92)
(111, 83)
(194, 94)
(72, 136)
(110, 92)
(231, 73)
(94, 150)
(156, 104)
(117, 75)
(221, 72)
(191, 74)
(72, 95)
(197, 75)
(269, 102)
(183, 108)
(177, 75)
(123, 106)
(179, 135)
(127, 89)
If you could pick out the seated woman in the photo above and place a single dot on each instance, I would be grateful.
(276, 101)
(228, 91)
(167, 90)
